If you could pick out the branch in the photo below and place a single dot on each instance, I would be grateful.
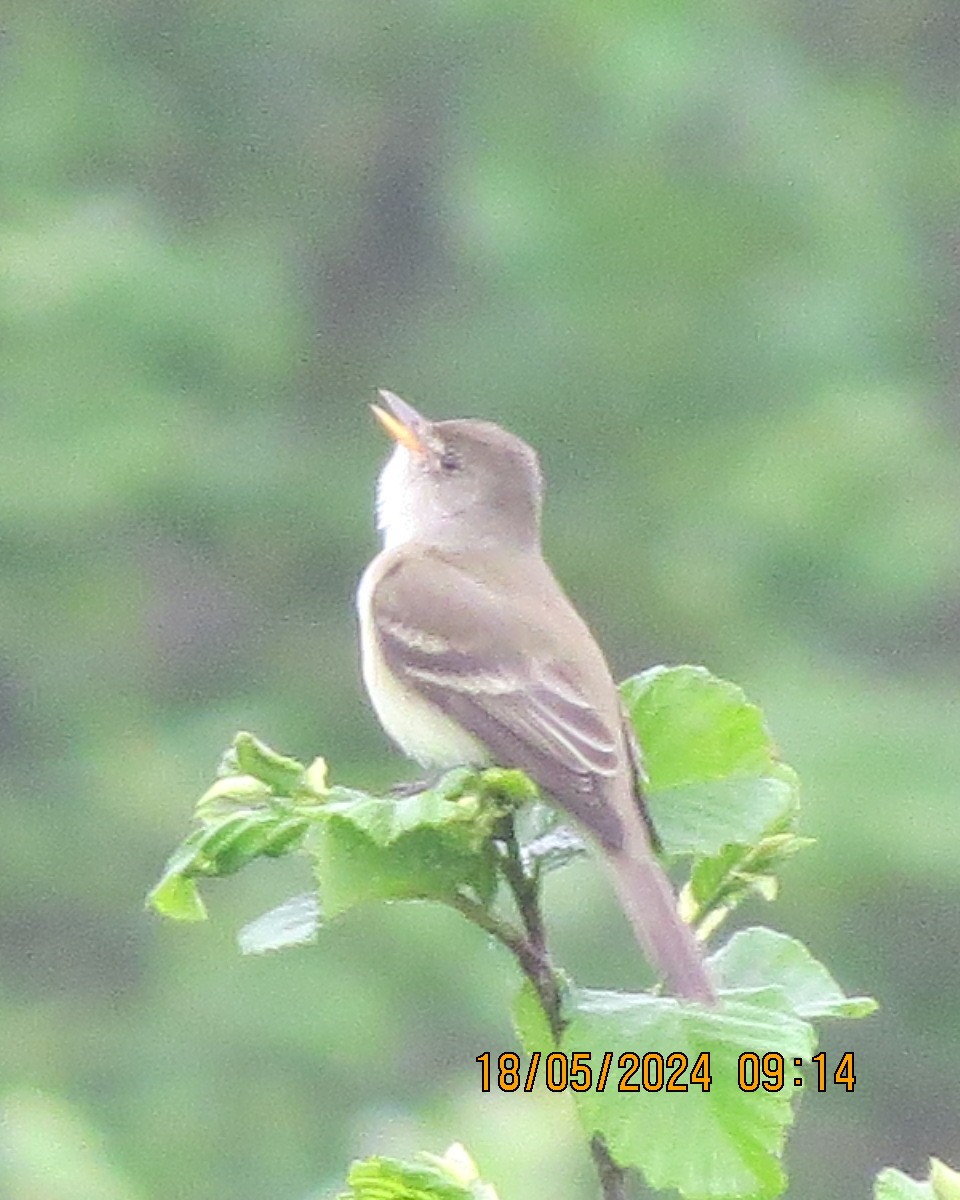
(613, 1178)
(529, 947)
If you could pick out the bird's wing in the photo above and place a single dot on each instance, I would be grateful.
(484, 663)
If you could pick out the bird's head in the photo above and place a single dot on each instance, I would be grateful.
(456, 483)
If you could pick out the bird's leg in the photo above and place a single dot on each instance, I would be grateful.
(450, 783)
(413, 787)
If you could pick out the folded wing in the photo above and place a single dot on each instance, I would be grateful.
(481, 663)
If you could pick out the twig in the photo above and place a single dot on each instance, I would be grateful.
(529, 947)
(613, 1178)
(526, 894)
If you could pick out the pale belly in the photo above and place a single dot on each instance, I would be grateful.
(421, 730)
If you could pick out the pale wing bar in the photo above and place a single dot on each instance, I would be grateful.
(572, 730)
(534, 719)
(556, 709)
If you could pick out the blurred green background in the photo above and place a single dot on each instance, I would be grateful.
(701, 255)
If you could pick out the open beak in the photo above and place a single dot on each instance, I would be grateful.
(403, 423)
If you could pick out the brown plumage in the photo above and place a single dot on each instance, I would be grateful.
(472, 653)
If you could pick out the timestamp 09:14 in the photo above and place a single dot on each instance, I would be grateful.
(581, 1071)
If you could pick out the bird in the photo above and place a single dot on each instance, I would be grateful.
(472, 655)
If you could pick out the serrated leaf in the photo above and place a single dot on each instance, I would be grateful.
(238, 839)
(712, 880)
(717, 790)
(385, 819)
(459, 1167)
(296, 922)
(315, 777)
(175, 894)
(944, 1181)
(285, 836)
(716, 885)
(492, 792)
(222, 847)
(891, 1184)
(530, 1021)
(703, 818)
(391, 1179)
(230, 791)
(283, 775)
(762, 958)
(177, 897)
(508, 785)
(422, 846)
(712, 1145)
(714, 776)
(695, 727)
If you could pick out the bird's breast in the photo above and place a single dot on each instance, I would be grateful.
(421, 730)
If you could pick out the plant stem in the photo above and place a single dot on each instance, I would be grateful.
(526, 894)
(529, 947)
(613, 1178)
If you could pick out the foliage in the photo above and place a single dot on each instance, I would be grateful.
(450, 1177)
(700, 256)
(720, 796)
(942, 1184)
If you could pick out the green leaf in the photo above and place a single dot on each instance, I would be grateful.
(703, 818)
(452, 1176)
(761, 958)
(177, 897)
(530, 1021)
(943, 1184)
(507, 786)
(222, 847)
(716, 885)
(891, 1184)
(694, 727)
(242, 836)
(944, 1180)
(713, 1145)
(717, 789)
(716, 881)
(231, 791)
(390, 1179)
(415, 847)
(714, 778)
(296, 922)
(281, 774)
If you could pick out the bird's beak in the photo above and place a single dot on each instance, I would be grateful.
(403, 423)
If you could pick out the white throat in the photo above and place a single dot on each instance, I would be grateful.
(396, 518)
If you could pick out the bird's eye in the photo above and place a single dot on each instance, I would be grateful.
(450, 461)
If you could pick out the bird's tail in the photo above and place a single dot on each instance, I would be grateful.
(649, 903)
